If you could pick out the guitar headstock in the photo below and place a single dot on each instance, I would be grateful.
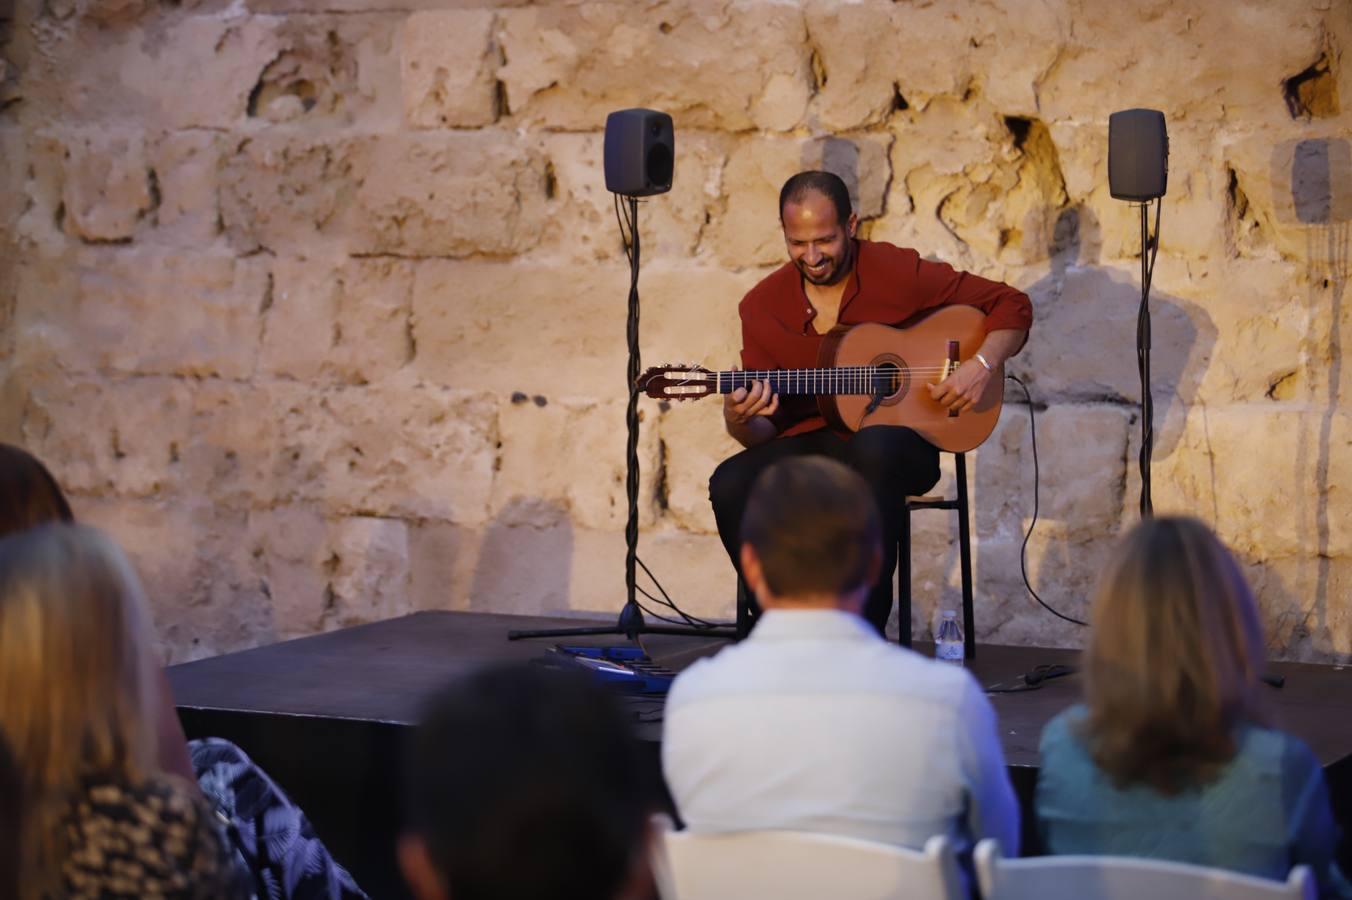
(677, 382)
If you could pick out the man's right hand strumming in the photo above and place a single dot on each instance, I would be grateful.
(746, 413)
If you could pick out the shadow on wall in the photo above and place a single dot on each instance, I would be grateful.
(837, 156)
(1317, 175)
(1082, 354)
(525, 561)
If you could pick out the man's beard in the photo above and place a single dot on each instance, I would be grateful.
(833, 273)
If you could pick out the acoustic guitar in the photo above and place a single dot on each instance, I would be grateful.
(870, 375)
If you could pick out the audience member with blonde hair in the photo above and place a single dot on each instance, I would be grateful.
(1171, 755)
(80, 699)
(274, 840)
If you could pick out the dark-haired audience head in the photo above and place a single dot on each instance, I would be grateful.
(525, 784)
(811, 535)
(1174, 659)
(819, 227)
(11, 820)
(78, 675)
(29, 495)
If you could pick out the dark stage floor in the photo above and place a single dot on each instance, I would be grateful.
(327, 715)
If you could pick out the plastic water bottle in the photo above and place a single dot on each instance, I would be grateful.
(948, 644)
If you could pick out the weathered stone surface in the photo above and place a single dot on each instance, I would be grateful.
(580, 224)
(193, 315)
(568, 66)
(447, 62)
(88, 74)
(323, 70)
(349, 6)
(107, 189)
(441, 559)
(289, 546)
(348, 321)
(399, 449)
(1096, 307)
(1199, 40)
(369, 560)
(1271, 480)
(746, 232)
(415, 195)
(185, 166)
(694, 442)
(564, 460)
(193, 560)
(693, 569)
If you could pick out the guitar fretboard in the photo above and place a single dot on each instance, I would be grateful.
(867, 380)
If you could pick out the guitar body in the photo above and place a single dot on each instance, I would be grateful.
(921, 345)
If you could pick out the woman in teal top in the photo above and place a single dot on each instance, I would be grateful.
(1170, 756)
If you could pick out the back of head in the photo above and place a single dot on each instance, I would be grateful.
(76, 672)
(526, 783)
(814, 526)
(29, 495)
(827, 184)
(1174, 657)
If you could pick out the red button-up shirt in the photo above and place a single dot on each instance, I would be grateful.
(889, 285)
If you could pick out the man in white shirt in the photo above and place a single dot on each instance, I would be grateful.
(814, 722)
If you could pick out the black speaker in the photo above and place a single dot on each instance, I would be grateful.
(640, 152)
(1138, 155)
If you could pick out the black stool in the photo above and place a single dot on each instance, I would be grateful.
(957, 504)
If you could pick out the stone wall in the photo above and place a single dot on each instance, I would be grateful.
(318, 305)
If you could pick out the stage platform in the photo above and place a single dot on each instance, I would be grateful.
(327, 715)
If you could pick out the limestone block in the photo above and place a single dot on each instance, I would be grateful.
(441, 562)
(565, 458)
(331, 70)
(567, 66)
(204, 592)
(452, 194)
(1266, 475)
(849, 42)
(447, 61)
(524, 569)
(1062, 570)
(398, 448)
(535, 329)
(91, 74)
(346, 321)
(185, 166)
(1266, 329)
(13, 178)
(368, 564)
(1300, 604)
(120, 438)
(694, 442)
(194, 315)
(1081, 450)
(1083, 345)
(1156, 48)
(107, 189)
(290, 547)
(580, 223)
(747, 232)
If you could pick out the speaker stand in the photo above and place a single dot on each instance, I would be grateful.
(1143, 353)
(631, 622)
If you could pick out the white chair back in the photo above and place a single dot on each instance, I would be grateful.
(792, 865)
(1125, 878)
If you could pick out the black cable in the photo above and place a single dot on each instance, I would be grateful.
(666, 600)
(1023, 551)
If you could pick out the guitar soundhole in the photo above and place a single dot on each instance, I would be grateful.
(895, 377)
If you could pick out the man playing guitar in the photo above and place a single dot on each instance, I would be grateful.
(835, 279)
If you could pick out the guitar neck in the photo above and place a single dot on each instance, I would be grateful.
(864, 380)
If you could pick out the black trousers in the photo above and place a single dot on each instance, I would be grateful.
(895, 461)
